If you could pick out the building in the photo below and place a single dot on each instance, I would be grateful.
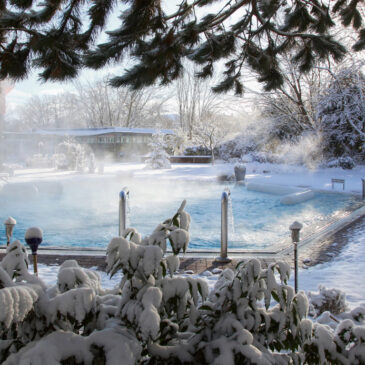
(118, 142)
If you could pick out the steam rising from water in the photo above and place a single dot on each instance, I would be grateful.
(83, 211)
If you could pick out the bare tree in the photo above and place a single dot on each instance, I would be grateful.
(292, 106)
(195, 100)
(49, 111)
(95, 104)
(211, 131)
(104, 106)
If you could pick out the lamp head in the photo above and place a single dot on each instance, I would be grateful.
(295, 228)
(33, 237)
(9, 227)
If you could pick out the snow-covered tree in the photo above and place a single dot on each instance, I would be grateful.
(341, 111)
(158, 157)
(211, 131)
(71, 156)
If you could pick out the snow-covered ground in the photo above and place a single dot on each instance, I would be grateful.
(259, 173)
(342, 272)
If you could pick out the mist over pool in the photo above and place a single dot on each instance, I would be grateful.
(83, 212)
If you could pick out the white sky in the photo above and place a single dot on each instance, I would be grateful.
(32, 86)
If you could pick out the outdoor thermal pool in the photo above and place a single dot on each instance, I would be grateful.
(83, 211)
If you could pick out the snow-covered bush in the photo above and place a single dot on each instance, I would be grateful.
(70, 156)
(156, 317)
(158, 158)
(196, 151)
(346, 162)
(332, 300)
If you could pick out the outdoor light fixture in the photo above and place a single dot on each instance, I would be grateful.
(295, 229)
(9, 227)
(33, 237)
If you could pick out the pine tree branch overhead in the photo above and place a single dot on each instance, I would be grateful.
(60, 37)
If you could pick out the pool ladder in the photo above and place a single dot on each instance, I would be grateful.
(224, 226)
(123, 197)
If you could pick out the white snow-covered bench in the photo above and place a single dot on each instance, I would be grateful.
(338, 181)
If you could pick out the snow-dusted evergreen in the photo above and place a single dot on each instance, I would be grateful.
(341, 110)
(158, 158)
(156, 317)
(71, 156)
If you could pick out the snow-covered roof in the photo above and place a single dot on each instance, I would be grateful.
(80, 132)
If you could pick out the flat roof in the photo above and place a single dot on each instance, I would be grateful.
(80, 132)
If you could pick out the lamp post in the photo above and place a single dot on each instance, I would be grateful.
(9, 227)
(33, 237)
(295, 228)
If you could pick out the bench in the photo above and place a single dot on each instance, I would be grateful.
(338, 181)
(190, 159)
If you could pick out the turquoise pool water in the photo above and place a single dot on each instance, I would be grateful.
(83, 212)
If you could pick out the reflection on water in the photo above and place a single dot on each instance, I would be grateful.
(84, 211)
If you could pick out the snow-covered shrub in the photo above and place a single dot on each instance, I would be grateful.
(196, 151)
(332, 300)
(158, 158)
(237, 147)
(154, 317)
(345, 162)
(70, 156)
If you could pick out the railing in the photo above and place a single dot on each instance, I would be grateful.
(224, 226)
(123, 197)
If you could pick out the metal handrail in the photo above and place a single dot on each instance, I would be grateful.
(123, 197)
(224, 226)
